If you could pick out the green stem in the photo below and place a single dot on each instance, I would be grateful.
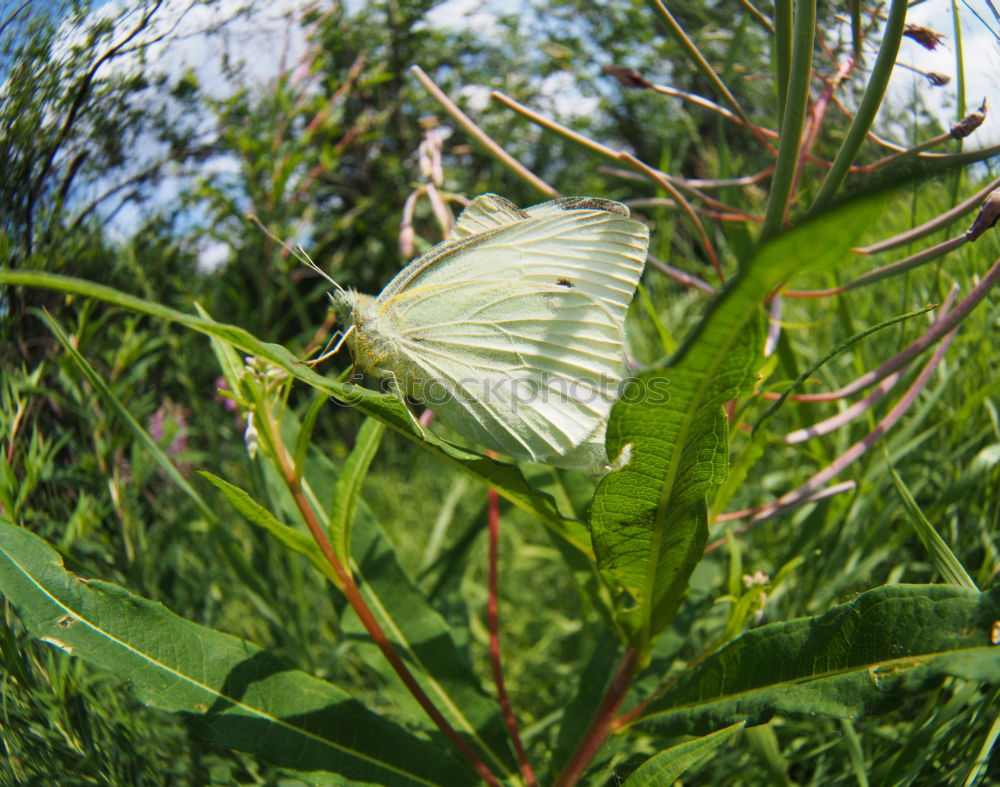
(782, 51)
(870, 103)
(959, 62)
(792, 122)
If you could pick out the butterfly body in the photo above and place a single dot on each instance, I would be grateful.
(511, 330)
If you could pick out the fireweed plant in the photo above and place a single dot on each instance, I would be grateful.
(656, 691)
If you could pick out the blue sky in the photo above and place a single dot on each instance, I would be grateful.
(272, 41)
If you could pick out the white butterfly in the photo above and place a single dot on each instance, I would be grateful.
(511, 330)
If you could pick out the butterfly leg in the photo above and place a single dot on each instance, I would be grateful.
(398, 390)
(336, 340)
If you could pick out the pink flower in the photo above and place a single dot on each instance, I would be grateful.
(170, 420)
(220, 383)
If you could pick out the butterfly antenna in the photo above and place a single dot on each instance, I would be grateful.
(303, 257)
(298, 252)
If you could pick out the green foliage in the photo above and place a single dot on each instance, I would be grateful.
(669, 765)
(171, 612)
(649, 520)
(858, 658)
(236, 694)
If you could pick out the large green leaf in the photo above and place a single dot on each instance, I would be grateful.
(855, 659)
(505, 478)
(648, 519)
(236, 694)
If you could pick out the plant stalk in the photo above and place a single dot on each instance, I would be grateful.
(603, 721)
(493, 618)
(367, 618)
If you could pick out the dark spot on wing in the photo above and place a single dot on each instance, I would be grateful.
(592, 203)
(564, 283)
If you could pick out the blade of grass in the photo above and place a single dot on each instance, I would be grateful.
(831, 354)
(347, 490)
(944, 559)
(670, 764)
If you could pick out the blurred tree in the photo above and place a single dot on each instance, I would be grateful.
(87, 129)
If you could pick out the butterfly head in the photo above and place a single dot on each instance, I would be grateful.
(353, 309)
(348, 305)
(359, 328)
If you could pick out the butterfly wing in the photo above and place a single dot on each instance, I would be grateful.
(486, 212)
(491, 211)
(587, 244)
(529, 372)
(515, 334)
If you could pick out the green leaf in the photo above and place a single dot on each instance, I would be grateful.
(856, 659)
(661, 770)
(505, 478)
(347, 490)
(234, 693)
(304, 436)
(256, 514)
(648, 519)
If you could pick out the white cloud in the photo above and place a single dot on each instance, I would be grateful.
(464, 14)
(212, 254)
(227, 45)
(476, 97)
(565, 98)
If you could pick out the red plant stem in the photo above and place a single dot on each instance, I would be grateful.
(845, 416)
(931, 336)
(933, 224)
(813, 293)
(364, 613)
(771, 510)
(602, 723)
(493, 617)
(626, 718)
(669, 187)
(887, 271)
(812, 489)
(680, 276)
(860, 447)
